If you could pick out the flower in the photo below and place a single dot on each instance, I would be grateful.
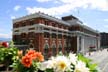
(20, 52)
(5, 44)
(46, 64)
(39, 56)
(73, 58)
(32, 54)
(81, 67)
(30, 62)
(33, 61)
(58, 64)
(26, 61)
(62, 63)
(70, 63)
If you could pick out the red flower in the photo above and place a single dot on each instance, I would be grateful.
(26, 61)
(5, 44)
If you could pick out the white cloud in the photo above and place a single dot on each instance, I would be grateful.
(51, 11)
(106, 26)
(106, 20)
(13, 17)
(69, 5)
(99, 4)
(17, 7)
(43, 0)
(85, 23)
(5, 35)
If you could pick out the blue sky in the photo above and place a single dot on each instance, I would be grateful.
(93, 13)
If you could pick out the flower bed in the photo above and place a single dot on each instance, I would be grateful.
(69, 63)
(30, 62)
(33, 61)
(7, 56)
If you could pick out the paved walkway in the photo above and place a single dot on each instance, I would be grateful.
(101, 58)
(98, 56)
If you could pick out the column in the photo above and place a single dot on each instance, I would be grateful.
(62, 43)
(41, 42)
(77, 44)
(36, 41)
(50, 45)
(98, 42)
(56, 43)
(82, 45)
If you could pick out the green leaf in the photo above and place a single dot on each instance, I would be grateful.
(49, 70)
(84, 59)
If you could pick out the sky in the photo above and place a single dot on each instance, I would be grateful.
(93, 13)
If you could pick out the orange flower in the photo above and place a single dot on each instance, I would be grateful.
(32, 54)
(39, 56)
(26, 61)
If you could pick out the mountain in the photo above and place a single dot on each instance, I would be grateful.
(5, 39)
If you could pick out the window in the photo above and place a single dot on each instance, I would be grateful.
(23, 24)
(65, 44)
(46, 35)
(59, 36)
(23, 35)
(46, 48)
(31, 35)
(16, 25)
(46, 45)
(32, 28)
(60, 46)
(31, 22)
(53, 35)
(17, 39)
(53, 24)
(46, 22)
(46, 29)
(54, 48)
(16, 31)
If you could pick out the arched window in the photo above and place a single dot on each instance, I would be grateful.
(23, 35)
(46, 48)
(60, 46)
(54, 48)
(65, 44)
(31, 46)
(31, 34)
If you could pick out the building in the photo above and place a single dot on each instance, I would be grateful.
(104, 40)
(50, 35)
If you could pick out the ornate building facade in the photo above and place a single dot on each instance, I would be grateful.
(50, 35)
